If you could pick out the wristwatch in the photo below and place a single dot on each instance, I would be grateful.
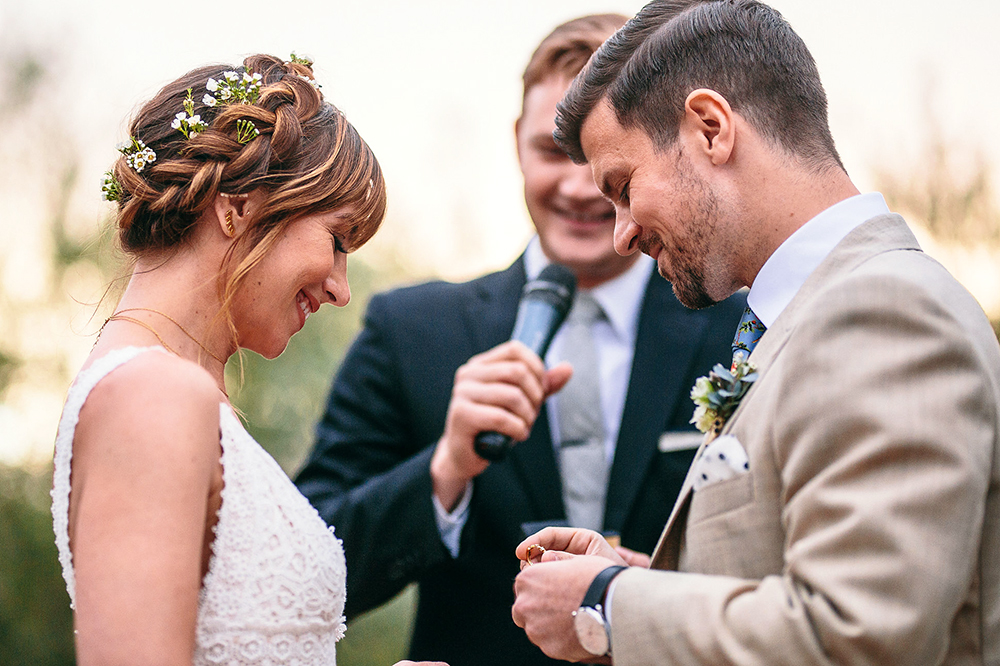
(592, 630)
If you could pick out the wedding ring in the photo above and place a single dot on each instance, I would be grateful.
(539, 548)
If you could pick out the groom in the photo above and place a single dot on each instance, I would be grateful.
(860, 523)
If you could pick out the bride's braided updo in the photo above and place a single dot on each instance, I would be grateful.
(307, 158)
(303, 156)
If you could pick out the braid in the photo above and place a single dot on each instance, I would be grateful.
(161, 205)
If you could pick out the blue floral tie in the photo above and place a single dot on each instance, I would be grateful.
(748, 334)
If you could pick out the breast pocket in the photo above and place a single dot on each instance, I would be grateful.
(722, 497)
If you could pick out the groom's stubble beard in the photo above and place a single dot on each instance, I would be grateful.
(688, 255)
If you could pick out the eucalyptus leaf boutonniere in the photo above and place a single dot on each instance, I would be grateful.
(718, 395)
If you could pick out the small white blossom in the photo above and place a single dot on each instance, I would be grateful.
(212, 85)
(704, 418)
(208, 100)
(701, 390)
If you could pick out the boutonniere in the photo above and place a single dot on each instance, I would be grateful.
(718, 395)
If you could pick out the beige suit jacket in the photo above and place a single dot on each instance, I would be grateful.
(867, 530)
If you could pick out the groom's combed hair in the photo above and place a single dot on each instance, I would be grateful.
(742, 49)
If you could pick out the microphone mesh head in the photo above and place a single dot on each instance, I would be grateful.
(555, 284)
(559, 275)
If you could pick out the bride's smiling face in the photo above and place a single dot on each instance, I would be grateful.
(305, 268)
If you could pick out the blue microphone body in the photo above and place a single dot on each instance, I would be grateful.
(545, 302)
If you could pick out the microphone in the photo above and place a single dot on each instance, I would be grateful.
(545, 302)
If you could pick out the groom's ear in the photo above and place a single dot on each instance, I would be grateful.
(709, 123)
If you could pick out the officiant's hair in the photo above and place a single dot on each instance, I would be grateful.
(307, 159)
(742, 49)
(565, 50)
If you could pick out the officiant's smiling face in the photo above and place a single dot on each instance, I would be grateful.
(305, 268)
(575, 223)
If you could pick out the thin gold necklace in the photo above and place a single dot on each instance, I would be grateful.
(146, 326)
(176, 323)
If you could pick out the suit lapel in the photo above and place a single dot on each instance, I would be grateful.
(667, 339)
(491, 314)
(879, 234)
(533, 461)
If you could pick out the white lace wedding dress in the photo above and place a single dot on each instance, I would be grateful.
(275, 588)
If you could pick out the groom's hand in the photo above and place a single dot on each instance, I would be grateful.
(500, 390)
(557, 541)
(546, 596)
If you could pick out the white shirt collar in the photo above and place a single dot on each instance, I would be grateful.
(786, 270)
(620, 297)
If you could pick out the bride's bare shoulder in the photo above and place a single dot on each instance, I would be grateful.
(156, 402)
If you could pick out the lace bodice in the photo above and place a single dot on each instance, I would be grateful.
(275, 588)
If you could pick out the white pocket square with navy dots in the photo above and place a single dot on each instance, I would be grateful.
(724, 458)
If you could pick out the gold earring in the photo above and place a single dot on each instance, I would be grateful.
(230, 229)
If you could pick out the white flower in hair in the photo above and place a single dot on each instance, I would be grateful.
(187, 122)
(137, 154)
(233, 89)
(311, 82)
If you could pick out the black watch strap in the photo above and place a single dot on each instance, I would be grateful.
(597, 589)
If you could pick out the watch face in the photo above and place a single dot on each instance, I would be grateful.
(590, 631)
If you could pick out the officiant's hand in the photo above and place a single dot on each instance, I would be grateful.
(500, 390)
(633, 557)
(547, 593)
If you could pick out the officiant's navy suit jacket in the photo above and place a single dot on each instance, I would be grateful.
(369, 474)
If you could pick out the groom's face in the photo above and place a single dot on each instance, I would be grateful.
(575, 223)
(664, 206)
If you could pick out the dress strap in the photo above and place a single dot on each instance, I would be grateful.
(62, 462)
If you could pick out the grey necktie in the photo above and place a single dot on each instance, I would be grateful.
(582, 459)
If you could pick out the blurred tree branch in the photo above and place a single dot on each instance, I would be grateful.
(956, 204)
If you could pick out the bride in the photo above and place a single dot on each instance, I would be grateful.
(240, 192)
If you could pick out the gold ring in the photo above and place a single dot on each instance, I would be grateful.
(534, 546)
